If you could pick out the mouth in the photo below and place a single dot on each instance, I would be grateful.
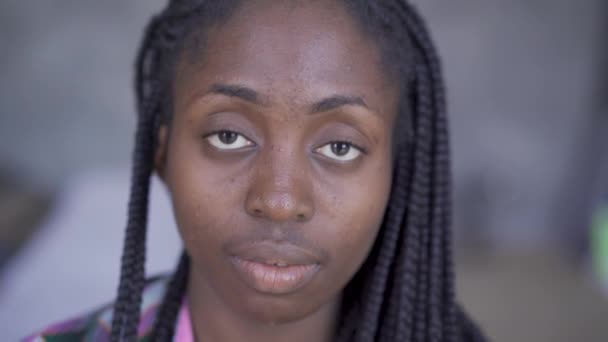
(275, 269)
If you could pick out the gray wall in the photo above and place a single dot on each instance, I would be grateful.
(65, 91)
(523, 80)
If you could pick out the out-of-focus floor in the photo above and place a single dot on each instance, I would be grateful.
(22, 208)
(532, 297)
(527, 297)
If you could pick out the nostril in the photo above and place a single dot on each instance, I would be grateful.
(278, 206)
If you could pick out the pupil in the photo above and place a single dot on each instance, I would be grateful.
(340, 148)
(227, 137)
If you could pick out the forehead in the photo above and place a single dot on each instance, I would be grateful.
(291, 51)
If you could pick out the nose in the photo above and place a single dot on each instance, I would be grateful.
(280, 189)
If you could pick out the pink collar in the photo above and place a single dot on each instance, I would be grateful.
(184, 325)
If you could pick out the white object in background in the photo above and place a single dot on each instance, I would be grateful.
(72, 264)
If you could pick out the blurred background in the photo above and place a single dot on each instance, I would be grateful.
(528, 93)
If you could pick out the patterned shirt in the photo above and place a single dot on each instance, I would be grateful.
(95, 326)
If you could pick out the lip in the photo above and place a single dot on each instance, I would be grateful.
(274, 268)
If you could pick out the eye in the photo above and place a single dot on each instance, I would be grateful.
(228, 140)
(340, 151)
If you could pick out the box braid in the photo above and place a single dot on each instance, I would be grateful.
(405, 289)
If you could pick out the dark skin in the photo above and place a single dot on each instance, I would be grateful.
(281, 133)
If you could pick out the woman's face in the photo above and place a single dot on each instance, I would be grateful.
(278, 159)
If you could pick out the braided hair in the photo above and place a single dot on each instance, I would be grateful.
(405, 289)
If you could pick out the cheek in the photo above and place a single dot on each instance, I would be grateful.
(362, 220)
(357, 211)
(195, 186)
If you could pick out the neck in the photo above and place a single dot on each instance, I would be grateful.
(213, 320)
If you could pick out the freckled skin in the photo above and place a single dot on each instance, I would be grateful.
(281, 189)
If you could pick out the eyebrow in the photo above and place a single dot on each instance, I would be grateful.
(249, 95)
(238, 91)
(337, 101)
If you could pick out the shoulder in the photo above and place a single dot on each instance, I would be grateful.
(96, 325)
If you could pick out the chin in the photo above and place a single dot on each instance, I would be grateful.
(277, 310)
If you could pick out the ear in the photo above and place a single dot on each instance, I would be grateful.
(160, 156)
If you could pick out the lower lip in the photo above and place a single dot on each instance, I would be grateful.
(272, 279)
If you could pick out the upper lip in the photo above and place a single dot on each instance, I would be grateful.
(274, 253)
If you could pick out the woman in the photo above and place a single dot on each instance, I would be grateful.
(304, 146)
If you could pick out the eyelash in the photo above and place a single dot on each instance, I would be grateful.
(359, 148)
(346, 141)
(347, 158)
(218, 132)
